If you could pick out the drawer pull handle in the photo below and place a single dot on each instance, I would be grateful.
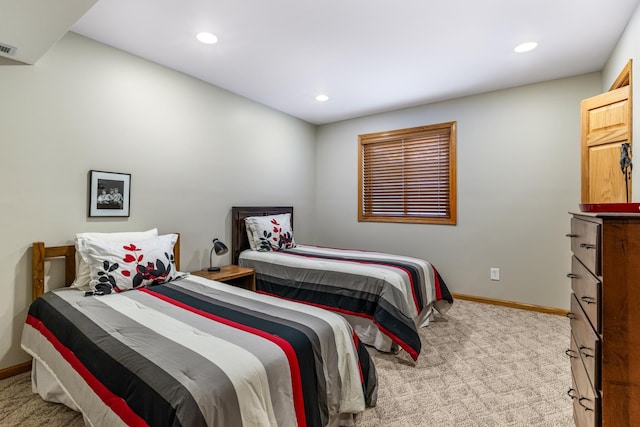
(570, 353)
(571, 235)
(588, 300)
(584, 353)
(587, 246)
(572, 276)
(571, 393)
(586, 408)
(571, 316)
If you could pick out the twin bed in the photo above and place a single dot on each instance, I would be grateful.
(385, 297)
(191, 352)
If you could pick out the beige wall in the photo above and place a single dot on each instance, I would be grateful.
(628, 47)
(518, 159)
(193, 151)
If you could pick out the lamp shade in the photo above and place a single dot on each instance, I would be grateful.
(220, 249)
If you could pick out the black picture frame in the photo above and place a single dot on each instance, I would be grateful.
(109, 194)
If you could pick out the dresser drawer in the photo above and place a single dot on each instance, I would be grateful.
(586, 402)
(576, 360)
(585, 243)
(588, 342)
(587, 289)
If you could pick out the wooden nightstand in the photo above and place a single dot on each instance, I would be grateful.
(235, 275)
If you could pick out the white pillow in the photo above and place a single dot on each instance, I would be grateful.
(252, 242)
(120, 266)
(270, 233)
(82, 269)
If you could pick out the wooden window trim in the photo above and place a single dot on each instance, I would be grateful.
(389, 137)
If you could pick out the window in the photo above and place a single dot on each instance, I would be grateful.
(408, 175)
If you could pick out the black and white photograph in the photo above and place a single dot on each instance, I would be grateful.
(109, 194)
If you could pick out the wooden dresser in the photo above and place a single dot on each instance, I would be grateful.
(605, 319)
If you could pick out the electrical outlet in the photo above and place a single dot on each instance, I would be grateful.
(494, 273)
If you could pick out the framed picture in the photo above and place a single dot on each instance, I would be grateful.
(109, 193)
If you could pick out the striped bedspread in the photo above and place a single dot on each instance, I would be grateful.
(199, 353)
(393, 291)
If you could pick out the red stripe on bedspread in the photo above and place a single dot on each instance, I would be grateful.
(116, 403)
(414, 355)
(436, 278)
(298, 398)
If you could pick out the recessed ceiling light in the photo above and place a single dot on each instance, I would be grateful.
(525, 47)
(322, 98)
(207, 38)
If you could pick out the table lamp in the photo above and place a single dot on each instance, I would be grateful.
(220, 249)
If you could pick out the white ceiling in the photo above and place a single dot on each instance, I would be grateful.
(368, 56)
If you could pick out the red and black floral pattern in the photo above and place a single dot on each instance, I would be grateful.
(275, 239)
(134, 267)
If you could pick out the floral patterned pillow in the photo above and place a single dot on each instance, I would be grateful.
(270, 233)
(82, 269)
(120, 266)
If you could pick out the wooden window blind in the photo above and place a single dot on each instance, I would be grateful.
(408, 175)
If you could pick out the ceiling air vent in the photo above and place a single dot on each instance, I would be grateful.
(7, 49)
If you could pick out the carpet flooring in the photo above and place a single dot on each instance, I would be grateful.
(481, 366)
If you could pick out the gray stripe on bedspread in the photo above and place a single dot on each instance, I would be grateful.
(175, 372)
(305, 323)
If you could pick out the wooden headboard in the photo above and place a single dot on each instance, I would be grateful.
(239, 241)
(42, 254)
